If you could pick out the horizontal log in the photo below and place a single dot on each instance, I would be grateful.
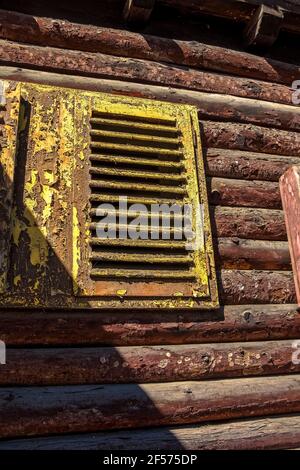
(246, 287)
(64, 34)
(243, 222)
(147, 364)
(88, 408)
(252, 138)
(106, 66)
(247, 165)
(229, 192)
(238, 253)
(210, 105)
(280, 432)
(232, 323)
(238, 10)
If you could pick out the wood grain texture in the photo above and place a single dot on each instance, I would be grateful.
(146, 364)
(89, 408)
(237, 193)
(41, 31)
(290, 194)
(280, 432)
(246, 287)
(238, 253)
(107, 66)
(251, 138)
(247, 165)
(243, 222)
(211, 106)
(231, 323)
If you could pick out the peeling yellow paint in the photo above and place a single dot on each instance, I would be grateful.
(76, 247)
(17, 280)
(58, 152)
(121, 292)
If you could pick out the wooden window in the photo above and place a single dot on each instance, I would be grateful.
(79, 150)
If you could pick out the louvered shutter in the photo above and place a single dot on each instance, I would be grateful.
(66, 151)
(149, 153)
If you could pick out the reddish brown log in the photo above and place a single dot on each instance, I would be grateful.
(242, 287)
(252, 138)
(57, 33)
(280, 432)
(256, 224)
(247, 165)
(237, 193)
(105, 66)
(238, 253)
(89, 408)
(290, 193)
(146, 364)
(232, 323)
(210, 105)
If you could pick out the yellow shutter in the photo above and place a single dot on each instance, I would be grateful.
(78, 150)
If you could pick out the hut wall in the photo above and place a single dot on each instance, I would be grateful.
(94, 372)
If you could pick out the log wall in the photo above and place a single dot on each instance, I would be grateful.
(86, 372)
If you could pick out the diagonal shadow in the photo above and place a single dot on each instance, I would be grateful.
(9, 405)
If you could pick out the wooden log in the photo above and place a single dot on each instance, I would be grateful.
(238, 10)
(264, 26)
(238, 253)
(243, 287)
(246, 165)
(252, 138)
(232, 323)
(210, 105)
(280, 432)
(106, 66)
(37, 411)
(227, 192)
(147, 364)
(20, 27)
(138, 11)
(290, 193)
(242, 222)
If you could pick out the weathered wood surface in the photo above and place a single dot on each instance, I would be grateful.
(290, 194)
(138, 12)
(238, 10)
(243, 222)
(280, 432)
(146, 364)
(246, 287)
(107, 66)
(252, 138)
(232, 323)
(210, 105)
(63, 34)
(236, 193)
(238, 253)
(264, 26)
(247, 165)
(88, 408)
